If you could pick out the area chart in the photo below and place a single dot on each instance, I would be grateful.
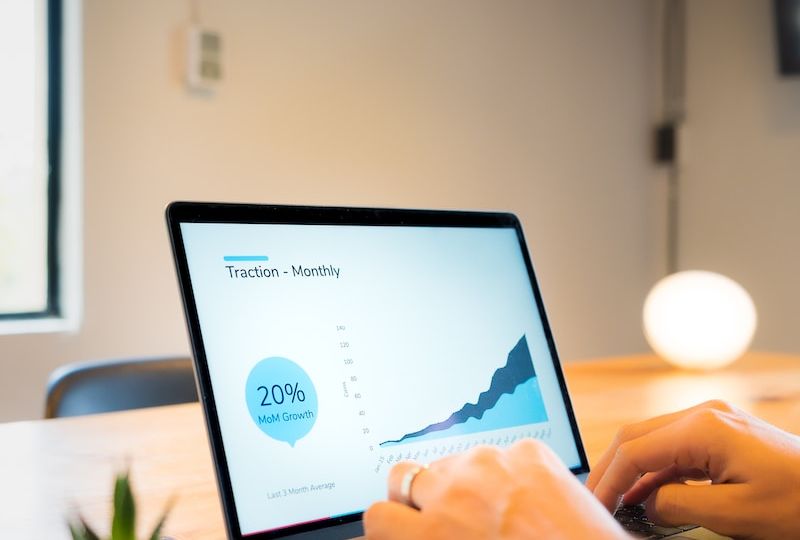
(512, 399)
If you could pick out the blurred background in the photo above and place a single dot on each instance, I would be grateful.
(544, 108)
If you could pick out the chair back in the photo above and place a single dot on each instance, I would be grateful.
(116, 385)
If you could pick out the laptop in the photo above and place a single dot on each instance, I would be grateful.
(331, 343)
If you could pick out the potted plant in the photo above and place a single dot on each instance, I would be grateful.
(123, 522)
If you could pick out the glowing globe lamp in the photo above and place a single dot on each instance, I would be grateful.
(699, 320)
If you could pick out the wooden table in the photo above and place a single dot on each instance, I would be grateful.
(48, 468)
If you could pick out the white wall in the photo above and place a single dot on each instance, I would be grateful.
(741, 181)
(542, 108)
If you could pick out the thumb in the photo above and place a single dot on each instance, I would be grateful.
(719, 507)
(391, 520)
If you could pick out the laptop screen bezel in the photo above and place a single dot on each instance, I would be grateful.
(181, 212)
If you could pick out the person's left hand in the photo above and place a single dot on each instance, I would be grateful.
(520, 492)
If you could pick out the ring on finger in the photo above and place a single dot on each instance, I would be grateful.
(407, 483)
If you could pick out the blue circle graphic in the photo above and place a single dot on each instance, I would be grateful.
(282, 399)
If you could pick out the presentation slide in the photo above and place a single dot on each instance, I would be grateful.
(337, 351)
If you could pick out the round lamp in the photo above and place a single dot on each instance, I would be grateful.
(699, 320)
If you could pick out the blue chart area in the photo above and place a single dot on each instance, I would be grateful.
(512, 399)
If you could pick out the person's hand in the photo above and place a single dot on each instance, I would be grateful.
(754, 469)
(520, 492)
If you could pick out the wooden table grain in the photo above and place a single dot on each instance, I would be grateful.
(51, 468)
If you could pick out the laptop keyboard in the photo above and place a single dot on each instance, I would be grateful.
(634, 520)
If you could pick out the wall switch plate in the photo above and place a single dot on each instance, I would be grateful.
(203, 59)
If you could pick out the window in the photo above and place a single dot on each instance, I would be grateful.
(30, 165)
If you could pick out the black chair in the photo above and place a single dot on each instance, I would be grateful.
(117, 385)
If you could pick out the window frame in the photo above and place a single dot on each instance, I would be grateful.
(53, 103)
(55, 64)
(64, 147)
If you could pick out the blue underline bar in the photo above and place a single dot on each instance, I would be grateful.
(240, 258)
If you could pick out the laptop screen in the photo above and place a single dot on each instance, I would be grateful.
(335, 351)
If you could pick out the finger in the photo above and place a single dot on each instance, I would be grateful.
(532, 451)
(398, 475)
(648, 483)
(392, 521)
(423, 487)
(633, 431)
(708, 506)
(685, 443)
(532, 455)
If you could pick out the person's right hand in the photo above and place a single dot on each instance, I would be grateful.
(754, 469)
(490, 493)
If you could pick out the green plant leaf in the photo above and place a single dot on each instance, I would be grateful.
(82, 530)
(156, 534)
(123, 525)
(76, 532)
(89, 534)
